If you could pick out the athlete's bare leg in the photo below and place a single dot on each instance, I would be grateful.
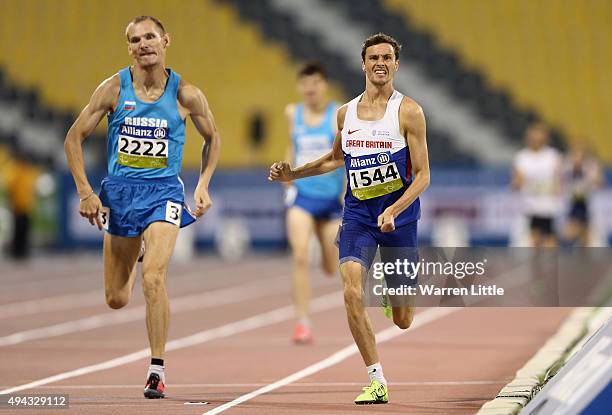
(300, 226)
(358, 319)
(160, 238)
(120, 255)
(572, 231)
(403, 316)
(541, 240)
(326, 233)
(537, 239)
(550, 241)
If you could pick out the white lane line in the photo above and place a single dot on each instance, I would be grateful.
(322, 303)
(61, 269)
(50, 304)
(73, 300)
(209, 299)
(421, 319)
(56, 279)
(81, 275)
(293, 385)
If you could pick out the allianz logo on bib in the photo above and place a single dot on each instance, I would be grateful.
(371, 160)
(146, 122)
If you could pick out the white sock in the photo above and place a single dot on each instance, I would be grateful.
(159, 370)
(375, 372)
(304, 321)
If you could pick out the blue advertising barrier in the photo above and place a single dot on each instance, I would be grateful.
(477, 201)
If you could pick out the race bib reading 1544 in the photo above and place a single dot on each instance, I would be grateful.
(143, 146)
(370, 182)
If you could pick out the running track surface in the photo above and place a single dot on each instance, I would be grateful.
(53, 321)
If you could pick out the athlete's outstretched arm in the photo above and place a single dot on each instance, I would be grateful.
(412, 125)
(282, 171)
(195, 102)
(102, 101)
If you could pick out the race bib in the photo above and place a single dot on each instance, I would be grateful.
(143, 147)
(173, 213)
(375, 181)
(104, 216)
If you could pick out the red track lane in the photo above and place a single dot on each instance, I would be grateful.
(449, 366)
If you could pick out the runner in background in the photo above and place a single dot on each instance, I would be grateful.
(582, 175)
(536, 174)
(314, 203)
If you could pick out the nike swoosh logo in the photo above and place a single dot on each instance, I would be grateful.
(354, 131)
(380, 393)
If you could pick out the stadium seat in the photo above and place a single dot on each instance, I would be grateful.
(551, 56)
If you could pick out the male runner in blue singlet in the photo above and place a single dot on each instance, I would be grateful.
(382, 142)
(313, 203)
(143, 197)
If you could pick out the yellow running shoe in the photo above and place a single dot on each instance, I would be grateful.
(374, 394)
(385, 303)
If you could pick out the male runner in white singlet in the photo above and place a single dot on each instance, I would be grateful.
(382, 143)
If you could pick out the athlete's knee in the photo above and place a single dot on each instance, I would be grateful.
(403, 320)
(153, 284)
(329, 271)
(403, 323)
(329, 267)
(116, 300)
(300, 258)
(351, 270)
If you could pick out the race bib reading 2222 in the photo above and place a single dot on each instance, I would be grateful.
(143, 146)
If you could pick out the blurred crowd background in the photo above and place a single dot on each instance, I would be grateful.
(483, 70)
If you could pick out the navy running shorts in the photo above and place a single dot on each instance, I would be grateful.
(358, 242)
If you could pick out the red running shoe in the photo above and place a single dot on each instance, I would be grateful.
(302, 334)
(154, 388)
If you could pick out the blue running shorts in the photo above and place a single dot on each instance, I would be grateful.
(319, 209)
(130, 205)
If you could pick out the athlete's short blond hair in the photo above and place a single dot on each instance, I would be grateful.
(139, 19)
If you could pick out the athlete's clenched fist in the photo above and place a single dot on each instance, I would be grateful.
(280, 172)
